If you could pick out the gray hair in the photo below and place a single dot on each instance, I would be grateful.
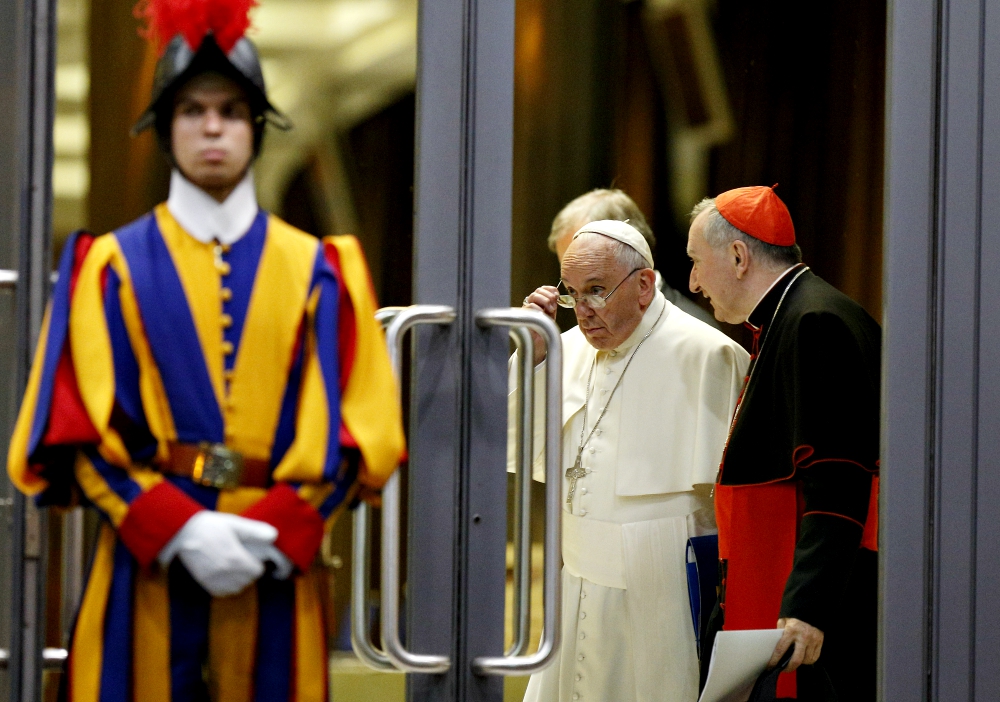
(720, 233)
(626, 257)
(602, 203)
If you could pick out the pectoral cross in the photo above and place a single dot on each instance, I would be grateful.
(573, 474)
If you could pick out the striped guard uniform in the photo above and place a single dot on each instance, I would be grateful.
(153, 338)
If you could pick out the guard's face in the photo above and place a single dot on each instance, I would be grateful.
(590, 268)
(713, 273)
(212, 133)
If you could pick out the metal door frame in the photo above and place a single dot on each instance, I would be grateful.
(27, 165)
(462, 234)
(940, 542)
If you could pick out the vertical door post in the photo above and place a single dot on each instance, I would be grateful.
(457, 485)
(940, 542)
(35, 106)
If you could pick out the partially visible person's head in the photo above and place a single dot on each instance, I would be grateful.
(731, 267)
(212, 136)
(599, 265)
(600, 204)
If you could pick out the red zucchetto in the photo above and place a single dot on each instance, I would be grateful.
(757, 211)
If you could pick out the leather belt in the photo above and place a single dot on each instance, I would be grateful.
(215, 465)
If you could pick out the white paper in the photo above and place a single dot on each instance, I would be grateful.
(738, 659)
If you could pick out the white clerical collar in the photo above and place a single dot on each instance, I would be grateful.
(770, 288)
(649, 318)
(206, 219)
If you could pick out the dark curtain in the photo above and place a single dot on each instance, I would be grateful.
(806, 86)
(378, 158)
(565, 51)
(806, 83)
(379, 155)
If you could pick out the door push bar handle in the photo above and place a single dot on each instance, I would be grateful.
(361, 641)
(360, 624)
(8, 279)
(552, 585)
(385, 315)
(521, 601)
(391, 530)
(52, 658)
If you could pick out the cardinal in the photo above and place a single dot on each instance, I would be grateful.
(796, 494)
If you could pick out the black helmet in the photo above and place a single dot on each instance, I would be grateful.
(180, 63)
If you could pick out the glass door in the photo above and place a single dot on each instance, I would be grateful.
(415, 158)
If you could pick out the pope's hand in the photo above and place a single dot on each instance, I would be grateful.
(807, 639)
(216, 549)
(542, 300)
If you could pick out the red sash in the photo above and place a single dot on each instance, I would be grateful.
(758, 528)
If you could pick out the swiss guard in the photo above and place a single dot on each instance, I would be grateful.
(797, 492)
(214, 383)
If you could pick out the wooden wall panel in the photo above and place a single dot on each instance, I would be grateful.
(127, 176)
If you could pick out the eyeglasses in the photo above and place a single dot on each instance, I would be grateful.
(594, 302)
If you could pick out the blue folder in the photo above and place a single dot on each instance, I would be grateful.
(703, 579)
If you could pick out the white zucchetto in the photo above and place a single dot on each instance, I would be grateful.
(619, 231)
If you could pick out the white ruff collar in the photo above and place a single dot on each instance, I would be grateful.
(207, 220)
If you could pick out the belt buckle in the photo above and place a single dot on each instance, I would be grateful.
(217, 466)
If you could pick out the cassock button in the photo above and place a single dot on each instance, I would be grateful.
(576, 695)
(604, 392)
(226, 294)
(593, 450)
(583, 491)
(583, 635)
(583, 615)
(583, 594)
(579, 677)
(580, 657)
(226, 321)
(583, 513)
(227, 347)
(223, 267)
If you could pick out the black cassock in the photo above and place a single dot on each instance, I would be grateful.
(796, 538)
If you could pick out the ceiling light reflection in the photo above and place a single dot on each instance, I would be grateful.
(300, 24)
(72, 82)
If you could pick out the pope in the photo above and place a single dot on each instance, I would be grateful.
(213, 382)
(796, 497)
(648, 391)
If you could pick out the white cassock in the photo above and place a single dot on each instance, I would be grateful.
(627, 630)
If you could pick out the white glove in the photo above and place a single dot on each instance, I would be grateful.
(269, 553)
(215, 548)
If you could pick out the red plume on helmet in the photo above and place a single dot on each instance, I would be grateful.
(196, 37)
(227, 20)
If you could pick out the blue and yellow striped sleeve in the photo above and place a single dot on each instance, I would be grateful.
(371, 414)
(309, 472)
(82, 425)
(108, 348)
(52, 419)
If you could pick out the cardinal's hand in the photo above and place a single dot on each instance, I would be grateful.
(807, 639)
